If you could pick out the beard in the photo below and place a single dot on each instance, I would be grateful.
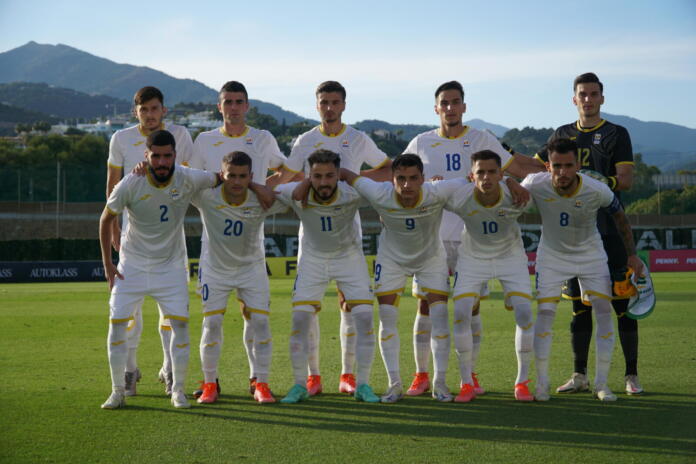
(320, 193)
(162, 178)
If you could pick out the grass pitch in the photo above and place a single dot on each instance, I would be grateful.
(55, 375)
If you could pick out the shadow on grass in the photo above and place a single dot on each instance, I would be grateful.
(652, 424)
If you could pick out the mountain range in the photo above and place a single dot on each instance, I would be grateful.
(91, 83)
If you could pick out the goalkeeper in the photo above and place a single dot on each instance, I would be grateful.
(605, 149)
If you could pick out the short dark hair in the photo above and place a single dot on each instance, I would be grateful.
(233, 86)
(331, 86)
(451, 85)
(588, 78)
(237, 158)
(486, 155)
(406, 160)
(323, 156)
(161, 138)
(562, 146)
(146, 94)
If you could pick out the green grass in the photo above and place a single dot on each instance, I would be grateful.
(55, 375)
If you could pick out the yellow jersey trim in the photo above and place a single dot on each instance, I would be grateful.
(153, 183)
(140, 129)
(110, 211)
(321, 129)
(226, 134)
(435, 291)
(283, 166)
(597, 294)
(177, 318)
(538, 158)
(382, 164)
(336, 195)
(520, 294)
(214, 312)
(465, 295)
(591, 129)
(113, 166)
(628, 163)
(359, 302)
(228, 202)
(550, 299)
(465, 129)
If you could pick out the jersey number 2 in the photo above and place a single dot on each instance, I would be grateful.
(163, 216)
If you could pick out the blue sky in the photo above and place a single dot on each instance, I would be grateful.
(517, 60)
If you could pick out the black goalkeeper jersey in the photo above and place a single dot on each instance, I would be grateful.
(600, 148)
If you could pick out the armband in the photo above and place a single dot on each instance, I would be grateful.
(614, 206)
(508, 148)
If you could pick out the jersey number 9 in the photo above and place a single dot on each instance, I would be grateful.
(410, 224)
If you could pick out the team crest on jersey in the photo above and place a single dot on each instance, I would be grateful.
(344, 144)
(597, 138)
(424, 209)
(501, 213)
(217, 144)
(578, 204)
(249, 141)
(465, 143)
(175, 194)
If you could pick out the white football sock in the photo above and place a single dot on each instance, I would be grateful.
(263, 346)
(604, 338)
(440, 342)
(365, 342)
(463, 340)
(543, 331)
(524, 336)
(477, 337)
(179, 350)
(117, 348)
(389, 345)
(211, 346)
(248, 337)
(165, 332)
(422, 328)
(313, 345)
(134, 331)
(302, 319)
(348, 342)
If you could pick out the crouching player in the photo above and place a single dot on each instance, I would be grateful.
(409, 245)
(571, 247)
(331, 249)
(152, 255)
(491, 248)
(234, 260)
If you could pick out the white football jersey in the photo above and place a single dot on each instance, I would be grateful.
(154, 238)
(127, 146)
(491, 231)
(329, 229)
(211, 146)
(235, 231)
(353, 146)
(569, 223)
(409, 235)
(451, 159)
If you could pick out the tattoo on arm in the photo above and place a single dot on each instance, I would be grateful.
(626, 233)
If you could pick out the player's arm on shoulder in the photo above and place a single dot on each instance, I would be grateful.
(348, 176)
(264, 193)
(284, 175)
(113, 177)
(301, 192)
(520, 195)
(381, 173)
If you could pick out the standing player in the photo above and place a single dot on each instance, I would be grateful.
(570, 247)
(234, 259)
(208, 151)
(409, 246)
(605, 148)
(125, 152)
(332, 250)
(355, 149)
(491, 248)
(153, 257)
(446, 154)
